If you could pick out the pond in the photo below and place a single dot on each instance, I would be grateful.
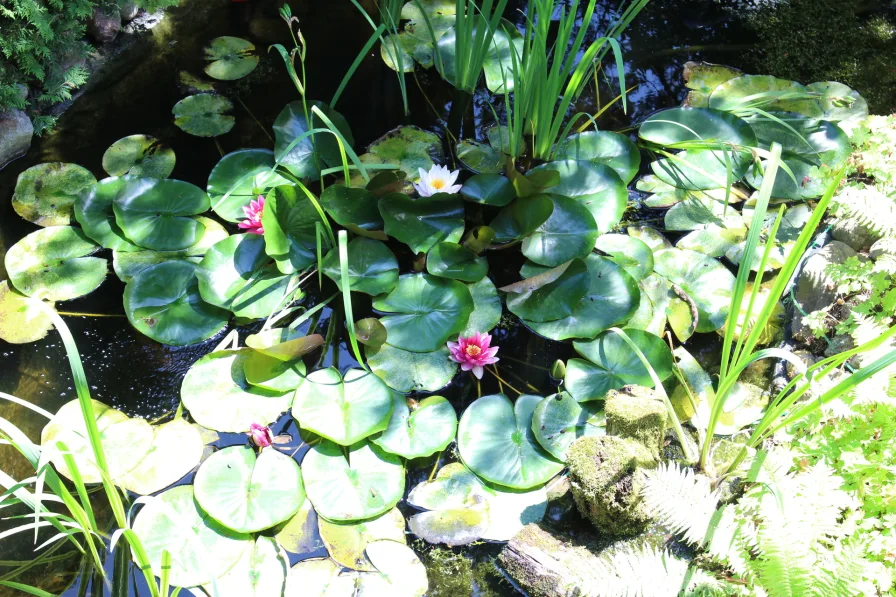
(142, 378)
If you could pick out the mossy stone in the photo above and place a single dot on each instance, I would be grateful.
(637, 413)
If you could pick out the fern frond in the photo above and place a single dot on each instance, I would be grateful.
(681, 500)
(869, 208)
(844, 574)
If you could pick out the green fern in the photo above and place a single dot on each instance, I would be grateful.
(867, 207)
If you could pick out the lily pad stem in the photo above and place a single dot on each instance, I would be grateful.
(76, 314)
(435, 466)
(500, 380)
(246, 108)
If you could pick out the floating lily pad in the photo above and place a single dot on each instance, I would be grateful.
(410, 148)
(354, 208)
(400, 573)
(708, 283)
(496, 442)
(712, 240)
(419, 429)
(163, 302)
(93, 210)
(269, 373)
(481, 158)
(290, 229)
(439, 13)
(142, 156)
(283, 344)
(176, 449)
(703, 169)
(201, 550)
(371, 332)
(696, 214)
(319, 577)
(611, 363)
(453, 261)
(486, 308)
(372, 268)
(45, 193)
(457, 509)
(569, 232)
(551, 295)
(424, 312)
(559, 420)
(366, 484)
(676, 127)
(596, 186)
(424, 222)
(406, 371)
(629, 253)
(246, 493)
(305, 158)
(299, 534)
(204, 115)
(260, 572)
(522, 217)
(53, 264)
(498, 64)
(347, 541)
(764, 92)
(703, 77)
(216, 393)
(602, 147)
(230, 58)
(395, 51)
(239, 178)
(489, 189)
(840, 104)
(650, 237)
(342, 409)
(155, 214)
(22, 320)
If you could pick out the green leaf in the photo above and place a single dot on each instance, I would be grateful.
(230, 58)
(480, 158)
(175, 451)
(367, 483)
(284, 344)
(45, 193)
(396, 52)
(702, 169)
(602, 147)
(155, 214)
(239, 178)
(424, 312)
(498, 63)
(372, 268)
(419, 429)
(163, 302)
(451, 260)
(399, 571)
(261, 571)
(346, 541)
(457, 510)
(289, 220)
(679, 126)
(204, 115)
(522, 217)
(248, 494)
(424, 222)
(406, 371)
(559, 420)
(570, 232)
(299, 534)
(371, 332)
(93, 210)
(354, 208)
(410, 148)
(631, 254)
(764, 92)
(142, 156)
(697, 213)
(495, 440)
(488, 189)
(840, 103)
(270, 373)
(705, 280)
(314, 152)
(552, 297)
(22, 319)
(319, 577)
(487, 308)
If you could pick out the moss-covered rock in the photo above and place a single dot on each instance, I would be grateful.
(637, 413)
(606, 484)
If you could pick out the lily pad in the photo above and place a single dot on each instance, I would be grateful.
(306, 158)
(611, 363)
(650, 237)
(410, 148)
(299, 534)
(260, 572)
(487, 308)
(406, 371)
(53, 264)
(551, 295)
(496, 442)
(481, 158)
(216, 393)
(246, 493)
(629, 253)
(438, 13)
(596, 186)
(522, 217)
(163, 302)
(488, 189)
(559, 420)
(396, 52)
(269, 373)
(176, 449)
(290, 229)
(319, 577)
(696, 214)
(93, 210)
(201, 550)
(371, 332)
(424, 222)
(708, 283)
(239, 178)
(602, 147)
(354, 208)
(703, 77)
(343, 409)
(155, 214)
(347, 541)
(712, 240)
(45, 193)
(283, 344)
(703, 169)
(424, 312)
(366, 483)
(372, 268)
(569, 232)
(419, 429)
(677, 127)
(765, 92)
(204, 115)
(457, 509)
(498, 64)
(453, 261)
(840, 104)
(230, 58)
(400, 573)
(142, 156)
(22, 320)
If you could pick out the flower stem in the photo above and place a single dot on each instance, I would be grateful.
(435, 466)
(504, 382)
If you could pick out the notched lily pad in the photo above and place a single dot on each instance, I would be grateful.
(347, 541)
(156, 213)
(230, 58)
(405, 371)
(372, 268)
(239, 178)
(45, 193)
(419, 429)
(140, 156)
(21, 319)
(204, 115)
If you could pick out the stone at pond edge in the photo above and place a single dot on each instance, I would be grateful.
(105, 24)
(16, 131)
(637, 413)
(815, 289)
(606, 484)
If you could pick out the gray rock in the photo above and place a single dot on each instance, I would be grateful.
(815, 289)
(852, 233)
(884, 246)
(16, 131)
(105, 24)
(129, 11)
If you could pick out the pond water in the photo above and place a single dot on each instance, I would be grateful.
(141, 377)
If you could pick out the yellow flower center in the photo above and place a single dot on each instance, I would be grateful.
(473, 350)
(438, 184)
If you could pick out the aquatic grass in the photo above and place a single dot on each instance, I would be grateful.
(347, 299)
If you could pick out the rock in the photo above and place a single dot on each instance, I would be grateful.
(884, 246)
(22, 91)
(129, 11)
(606, 484)
(839, 344)
(815, 289)
(105, 24)
(637, 413)
(16, 131)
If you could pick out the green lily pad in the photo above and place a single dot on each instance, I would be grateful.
(551, 295)
(424, 312)
(22, 320)
(125, 441)
(284, 344)
(155, 213)
(712, 240)
(629, 253)
(306, 158)
(176, 449)
(354, 208)
(650, 237)
(696, 214)
(142, 156)
(248, 494)
(261, 571)
(498, 64)
(406, 371)
(496, 442)
(93, 210)
(703, 77)
(451, 260)
(342, 409)
(481, 158)
(371, 332)
(230, 58)
(569, 232)
(53, 264)
(596, 186)
(201, 550)
(367, 483)
(705, 280)
(487, 308)
(765, 92)
(299, 534)
(239, 178)
(419, 429)
(237, 275)
(400, 573)
(204, 115)
(676, 127)
(45, 193)
(703, 169)
(289, 219)
(611, 363)
(269, 373)
(457, 509)
(522, 217)
(424, 222)
(410, 148)
(396, 52)
(347, 541)
(319, 577)
(559, 420)
(216, 393)
(438, 13)
(488, 189)
(840, 104)
(797, 134)
(372, 268)
(602, 147)
(163, 302)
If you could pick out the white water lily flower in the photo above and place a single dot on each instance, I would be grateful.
(439, 179)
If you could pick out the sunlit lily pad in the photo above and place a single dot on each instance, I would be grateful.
(230, 58)
(439, 13)
(347, 541)
(22, 320)
(455, 504)
(550, 295)
(354, 208)
(200, 549)
(366, 484)
(495, 440)
(559, 420)
(290, 223)
(396, 52)
(410, 148)
(419, 429)
(676, 127)
(703, 77)
(305, 158)
(569, 232)
(840, 104)
(93, 210)
(650, 237)
(451, 260)
(54, 264)
(400, 573)
(176, 448)
(705, 280)
(204, 115)
(342, 409)
(703, 169)
(498, 63)
(239, 178)
(712, 240)
(487, 308)
(299, 534)
(163, 302)
(764, 92)
(372, 268)
(269, 373)
(283, 344)
(696, 214)
(45, 193)
(629, 253)
(216, 393)
(424, 222)
(406, 371)
(596, 186)
(156, 213)
(319, 577)
(602, 147)
(142, 156)
(260, 572)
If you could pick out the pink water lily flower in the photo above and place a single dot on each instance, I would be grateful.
(439, 179)
(473, 353)
(260, 435)
(253, 211)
